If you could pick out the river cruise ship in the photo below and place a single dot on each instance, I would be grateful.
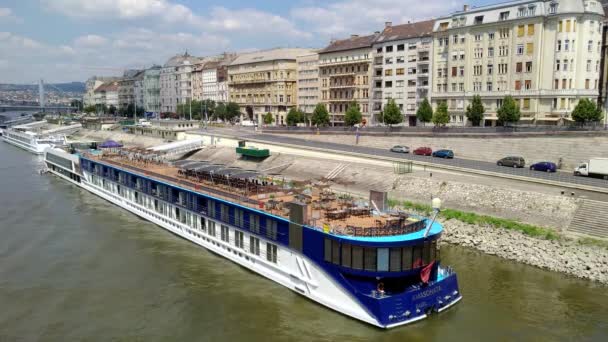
(352, 255)
(36, 137)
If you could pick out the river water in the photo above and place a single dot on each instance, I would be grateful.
(74, 267)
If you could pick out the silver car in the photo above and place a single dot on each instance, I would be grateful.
(400, 149)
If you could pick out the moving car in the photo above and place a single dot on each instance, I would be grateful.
(512, 162)
(423, 151)
(444, 154)
(544, 166)
(400, 149)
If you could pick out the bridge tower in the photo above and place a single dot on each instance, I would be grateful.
(41, 94)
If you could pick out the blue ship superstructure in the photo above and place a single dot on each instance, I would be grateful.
(385, 275)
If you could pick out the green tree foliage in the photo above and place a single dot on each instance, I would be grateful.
(220, 111)
(425, 111)
(268, 118)
(392, 114)
(475, 111)
(509, 111)
(586, 111)
(380, 117)
(353, 115)
(89, 109)
(112, 110)
(295, 116)
(320, 116)
(76, 104)
(233, 111)
(441, 116)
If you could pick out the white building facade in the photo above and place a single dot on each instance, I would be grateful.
(152, 89)
(176, 82)
(308, 82)
(546, 54)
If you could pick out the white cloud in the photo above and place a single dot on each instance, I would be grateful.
(5, 12)
(366, 16)
(90, 40)
(13, 41)
(7, 15)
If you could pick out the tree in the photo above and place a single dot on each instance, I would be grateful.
(233, 111)
(475, 111)
(353, 115)
(268, 118)
(220, 111)
(320, 116)
(425, 111)
(76, 104)
(89, 109)
(586, 111)
(380, 117)
(392, 114)
(441, 116)
(206, 108)
(294, 117)
(508, 112)
(111, 110)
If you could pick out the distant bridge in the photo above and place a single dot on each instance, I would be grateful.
(32, 108)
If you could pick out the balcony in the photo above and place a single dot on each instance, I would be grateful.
(343, 86)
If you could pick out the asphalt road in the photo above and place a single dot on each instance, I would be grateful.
(563, 177)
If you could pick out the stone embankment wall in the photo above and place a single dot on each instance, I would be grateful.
(571, 148)
(566, 256)
(552, 211)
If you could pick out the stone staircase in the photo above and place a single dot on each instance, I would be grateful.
(591, 218)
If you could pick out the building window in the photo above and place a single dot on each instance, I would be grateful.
(271, 252)
(528, 66)
(520, 49)
(504, 16)
(401, 47)
(530, 29)
(521, 30)
(519, 67)
(559, 46)
(529, 48)
(553, 8)
(254, 245)
(389, 48)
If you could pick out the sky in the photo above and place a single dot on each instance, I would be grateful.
(71, 40)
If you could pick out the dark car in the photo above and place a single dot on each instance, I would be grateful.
(544, 166)
(512, 162)
(423, 151)
(443, 154)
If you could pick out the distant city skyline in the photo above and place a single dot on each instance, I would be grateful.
(71, 40)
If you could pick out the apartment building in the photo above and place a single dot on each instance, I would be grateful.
(546, 54)
(126, 93)
(402, 61)
(152, 89)
(107, 94)
(138, 89)
(176, 81)
(344, 74)
(265, 82)
(308, 82)
(91, 85)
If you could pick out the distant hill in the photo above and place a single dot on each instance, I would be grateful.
(74, 87)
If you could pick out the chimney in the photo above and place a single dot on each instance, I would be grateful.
(354, 36)
(465, 8)
(332, 41)
(376, 32)
(388, 24)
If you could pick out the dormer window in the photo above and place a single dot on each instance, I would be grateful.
(531, 10)
(479, 20)
(522, 12)
(504, 16)
(553, 8)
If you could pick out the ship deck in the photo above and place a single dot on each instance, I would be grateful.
(332, 212)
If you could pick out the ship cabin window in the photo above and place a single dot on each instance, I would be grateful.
(238, 217)
(271, 252)
(395, 259)
(201, 204)
(224, 233)
(254, 223)
(254, 245)
(211, 228)
(211, 208)
(271, 229)
(238, 239)
(224, 213)
(203, 224)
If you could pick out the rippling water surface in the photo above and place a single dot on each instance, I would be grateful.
(75, 267)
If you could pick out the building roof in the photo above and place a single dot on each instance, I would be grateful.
(269, 55)
(406, 31)
(354, 42)
(178, 60)
(108, 86)
(211, 65)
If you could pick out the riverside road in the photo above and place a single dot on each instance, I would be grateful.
(475, 165)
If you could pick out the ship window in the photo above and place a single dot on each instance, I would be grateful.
(254, 245)
(346, 255)
(238, 217)
(335, 252)
(369, 259)
(395, 260)
(434, 250)
(203, 225)
(211, 208)
(327, 253)
(417, 256)
(212, 228)
(407, 258)
(254, 223)
(357, 257)
(238, 239)
(224, 233)
(426, 253)
(271, 229)
(224, 213)
(271, 252)
(382, 259)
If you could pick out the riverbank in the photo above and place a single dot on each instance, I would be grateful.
(527, 244)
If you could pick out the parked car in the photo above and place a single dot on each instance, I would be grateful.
(443, 154)
(512, 162)
(544, 166)
(423, 151)
(400, 149)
